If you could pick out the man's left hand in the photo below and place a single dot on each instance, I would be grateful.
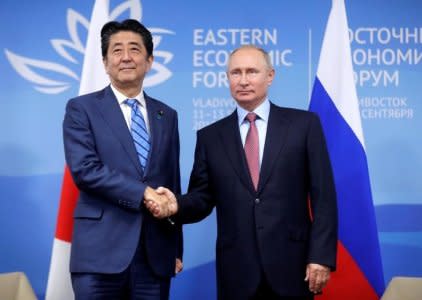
(179, 266)
(317, 276)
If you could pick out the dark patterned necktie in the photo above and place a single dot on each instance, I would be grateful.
(252, 149)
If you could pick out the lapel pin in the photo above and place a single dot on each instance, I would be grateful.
(160, 113)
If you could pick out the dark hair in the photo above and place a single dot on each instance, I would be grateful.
(132, 25)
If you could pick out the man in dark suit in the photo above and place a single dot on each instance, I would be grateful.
(120, 144)
(267, 172)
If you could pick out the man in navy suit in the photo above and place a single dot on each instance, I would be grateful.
(119, 250)
(267, 172)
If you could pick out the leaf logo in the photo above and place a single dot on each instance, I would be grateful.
(34, 70)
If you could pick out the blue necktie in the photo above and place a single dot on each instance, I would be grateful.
(139, 132)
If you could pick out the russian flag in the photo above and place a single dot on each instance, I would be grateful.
(93, 78)
(359, 272)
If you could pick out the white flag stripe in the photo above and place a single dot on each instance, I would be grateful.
(59, 284)
(336, 59)
(94, 76)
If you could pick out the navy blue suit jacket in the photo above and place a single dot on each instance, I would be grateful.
(269, 230)
(102, 159)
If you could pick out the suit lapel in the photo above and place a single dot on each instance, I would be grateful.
(155, 127)
(276, 135)
(109, 108)
(230, 136)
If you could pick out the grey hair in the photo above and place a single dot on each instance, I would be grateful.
(267, 57)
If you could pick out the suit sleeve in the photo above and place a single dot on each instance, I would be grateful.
(197, 203)
(176, 178)
(89, 173)
(323, 242)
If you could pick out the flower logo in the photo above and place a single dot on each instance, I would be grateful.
(34, 70)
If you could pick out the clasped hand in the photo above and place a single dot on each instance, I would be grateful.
(161, 202)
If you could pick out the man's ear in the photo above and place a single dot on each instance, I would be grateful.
(105, 64)
(150, 61)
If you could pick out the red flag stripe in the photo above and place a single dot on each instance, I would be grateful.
(68, 198)
(347, 282)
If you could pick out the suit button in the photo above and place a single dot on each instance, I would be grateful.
(257, 201)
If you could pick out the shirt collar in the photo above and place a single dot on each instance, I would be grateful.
(262, 111)
(121, 98)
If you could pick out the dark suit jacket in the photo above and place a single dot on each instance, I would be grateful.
(109, 214)
(269, 230)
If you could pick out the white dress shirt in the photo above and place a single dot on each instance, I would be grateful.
(127, 110)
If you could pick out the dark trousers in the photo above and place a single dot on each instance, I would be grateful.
(265, 292)
(137, 282)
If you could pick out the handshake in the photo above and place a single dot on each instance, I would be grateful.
(161, 202)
